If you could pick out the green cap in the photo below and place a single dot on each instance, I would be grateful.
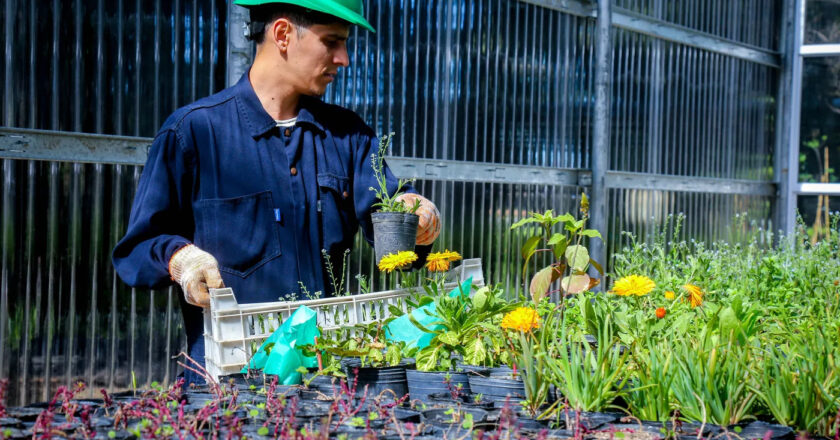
(347, 10)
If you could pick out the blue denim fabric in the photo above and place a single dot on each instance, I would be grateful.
(261, 199)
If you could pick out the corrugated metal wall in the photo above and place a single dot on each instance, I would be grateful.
(479, 81)
(115, 67)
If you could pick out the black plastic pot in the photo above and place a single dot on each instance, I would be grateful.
(421, 384)
(498, 389)
(393, 232)
(381, 381)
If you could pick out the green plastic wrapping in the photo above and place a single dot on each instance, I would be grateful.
(283, 359)
(403, 330)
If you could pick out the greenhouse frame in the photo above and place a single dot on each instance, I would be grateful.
(716, 110)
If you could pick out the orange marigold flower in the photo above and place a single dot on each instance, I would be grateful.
(669, 295)
(523, 319)
(660, 312)
(439, 261)
(638, 285)
(695, 295)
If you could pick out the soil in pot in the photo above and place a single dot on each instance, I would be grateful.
(393, 232)
(422, 384)
(387, 382)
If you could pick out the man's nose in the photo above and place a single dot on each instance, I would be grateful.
(341, 57)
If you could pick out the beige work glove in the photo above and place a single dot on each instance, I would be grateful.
(428, 228)
(196, 271)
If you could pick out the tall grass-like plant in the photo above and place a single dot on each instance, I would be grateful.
(713, 381)
(800, 382)
(653, 376)
(589, 379)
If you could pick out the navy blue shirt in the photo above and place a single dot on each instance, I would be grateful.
(263, 200)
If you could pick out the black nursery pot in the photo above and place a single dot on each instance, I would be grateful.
(497, 389)
(393, 232)
(421, 384)
(378, 380)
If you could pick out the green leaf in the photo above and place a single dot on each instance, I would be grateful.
(729, 323)
(578, 257)
(530, 247)
(540, 284)
(393, 355)
(395, 311)
(590, 233)
(479, 299)
(597, 266)
(556, 238)
(427, 358)
(522, 222)
(476, 352)
(263, 430)
(566, 218)
(449, 338)
(575, 283)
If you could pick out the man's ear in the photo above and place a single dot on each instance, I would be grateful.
(281, 32)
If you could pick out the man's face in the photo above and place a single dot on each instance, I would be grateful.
(315, 54)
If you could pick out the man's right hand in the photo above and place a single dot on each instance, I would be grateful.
(197, 272)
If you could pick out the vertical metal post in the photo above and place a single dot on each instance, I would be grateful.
(786, 169)
(239, 49)
(601, 128)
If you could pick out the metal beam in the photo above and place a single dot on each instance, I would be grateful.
(600, 158)
(20, 143)
(662, 182)
(625, 19)
(789, 98)
(819, 50)
(451, 170)
(239, 49)
(815, 189)
(572, 7)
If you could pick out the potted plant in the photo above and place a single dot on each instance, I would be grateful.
(394, 222)
(464, 328)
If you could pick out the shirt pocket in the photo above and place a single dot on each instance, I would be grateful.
(336, 209)
(240, 231)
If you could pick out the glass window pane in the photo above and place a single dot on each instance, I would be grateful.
(822, 22)
(819, 136)
(817, 213)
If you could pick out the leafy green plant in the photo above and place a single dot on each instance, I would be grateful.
(653, 375)
(465, 326)
(388, 200)
(567, 248)
(799, 382)
(713, 380)
(589, 379)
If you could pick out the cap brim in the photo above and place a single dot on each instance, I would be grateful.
(335, 10)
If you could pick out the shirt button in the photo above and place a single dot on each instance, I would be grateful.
(344, 194)
(287, 132)
(293, 170)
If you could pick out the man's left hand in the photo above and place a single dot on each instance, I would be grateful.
(428, 228)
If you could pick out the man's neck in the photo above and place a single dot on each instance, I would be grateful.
(275, 95)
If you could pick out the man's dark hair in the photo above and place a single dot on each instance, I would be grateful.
(299, 16)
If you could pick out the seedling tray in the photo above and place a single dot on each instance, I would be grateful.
(233, 331)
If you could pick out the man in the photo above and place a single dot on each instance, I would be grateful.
(245, 188)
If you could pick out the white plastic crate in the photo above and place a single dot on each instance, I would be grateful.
(232, 330)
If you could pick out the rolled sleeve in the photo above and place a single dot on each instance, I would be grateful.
(161, 220)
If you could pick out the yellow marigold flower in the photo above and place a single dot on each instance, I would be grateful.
(695, 295)
(523, 319)
(400, 260)
(638, 285)
(669, 295)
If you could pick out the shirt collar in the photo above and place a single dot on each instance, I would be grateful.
(258, 120)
